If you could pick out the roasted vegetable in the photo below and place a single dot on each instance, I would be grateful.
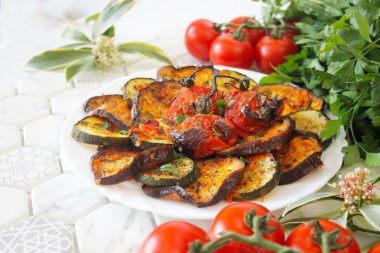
(294, 98)
(115, 164)
(261, 175)
(113, 107)
(226, 84)
(154, 100)
(202, 135)
(99, 131)
(276, 136)
(132, 86)
(182, 172)
(202, 78)
(217, 177)
(300, 156)
(151, 133)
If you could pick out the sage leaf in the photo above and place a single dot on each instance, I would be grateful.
(145, 50)
(77, 45)
(73, 33)
(93, 17)
(78, 67)
(371, 214)
(56, 58)
(110, 32)
(111, 13)
(372, 160)
(341, 219)
(309, 199)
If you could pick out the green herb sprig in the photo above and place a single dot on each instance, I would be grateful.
(99, 51)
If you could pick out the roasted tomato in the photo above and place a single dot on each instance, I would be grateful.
(250, 111)
(202, 135)
(184, 102)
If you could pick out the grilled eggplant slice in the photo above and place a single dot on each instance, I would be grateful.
(224, 83)
(152, 133)
(300, 156)
(154, 100)
(260, 177)
(294, 98)
(276, 136)
(115, 164)
(99, 131)
(113, 107)
(202, 78)
(217, 177)
(131, 87)
(182, 172)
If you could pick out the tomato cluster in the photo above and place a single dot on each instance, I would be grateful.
(204, 41)
(176, 236)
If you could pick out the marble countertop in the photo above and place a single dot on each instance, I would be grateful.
(44, 206)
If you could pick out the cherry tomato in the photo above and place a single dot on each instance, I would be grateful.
(198, 38)
(299, 239)
(375, 248)
(271, 51)
(221, 134)
(253, 35)
(231, 218)
(183, 103)
(250, 111)
(225, 50)
(173, 236)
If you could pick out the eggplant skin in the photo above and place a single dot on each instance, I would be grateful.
(271, 139)
(303, 160)
(139, 162)
(188, 142)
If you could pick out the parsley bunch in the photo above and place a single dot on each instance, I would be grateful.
(339, 61)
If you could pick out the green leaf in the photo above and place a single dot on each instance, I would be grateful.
(371, 214)
(73, 33)
(145, 50)
(56, 58)
(372, 160)
(352, 155)
(309, 199)
(375, 93)
(341, 219)
(111, 13)
(110, 32)
(360, 23)
(351, 36)
(93, 17)
(125, 132)
(246, 161)
(77, 45)
(331, 129)
(78, 67)
(274, 78)
(180, 118)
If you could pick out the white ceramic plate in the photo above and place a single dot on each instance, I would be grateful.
(76, 156)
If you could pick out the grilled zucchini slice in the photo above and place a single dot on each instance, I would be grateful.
(154, 100)
(260, 177)
(115, 164)
(113, 107)
(217, 176)
(300, 156)
(99, 131)
(202, 78)
(131, 87)
(224, 83)
(294, 98)
(151, 133)
(182, 172)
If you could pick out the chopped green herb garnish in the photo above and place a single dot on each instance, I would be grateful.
(215, 132)
(123, 132)
(180, 118)
(220, 103)
(207, 81)
(168, 168)
(245, 160)
(228, 154)
(199, 123)
(149, 114)
(175, 154)
(259, 134)
(104, 126)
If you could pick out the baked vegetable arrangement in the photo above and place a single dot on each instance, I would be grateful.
(201, 135)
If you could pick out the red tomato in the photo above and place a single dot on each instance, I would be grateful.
(299, 239)
(253, 35)
(250, 111)
(173, 236)
(198, 38)
(271, 51)
(225, 50)
(231, 218)
(375, 248)
(183, 103)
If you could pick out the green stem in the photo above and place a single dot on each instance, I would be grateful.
(325, 243)
(353, 227)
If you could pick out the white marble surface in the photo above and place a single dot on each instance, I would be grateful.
(10, 138)
(14, 206)
(65, 102)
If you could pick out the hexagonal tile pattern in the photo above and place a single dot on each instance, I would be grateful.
(14, 205)
(65, 198)
(40, 83)
(44, 132)
(113, 228)
(36, 234)
(64, 103)
(7, 89)
(27, 167)
(9, 137)
(19, 110)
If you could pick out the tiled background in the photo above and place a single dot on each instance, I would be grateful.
(44, 208)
